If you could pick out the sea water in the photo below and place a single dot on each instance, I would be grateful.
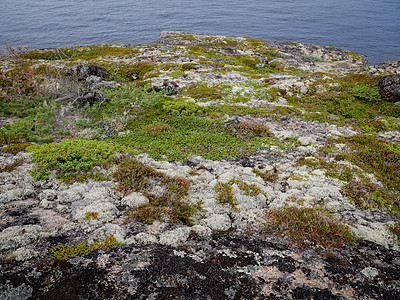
(368, 26)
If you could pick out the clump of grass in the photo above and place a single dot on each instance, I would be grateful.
(91, 215)
(182, 108)
(376, 156)
(367, 195)
(307, 227)
(157, 128)
(166, 204)
(205, 92)
(268, 176)
(225, 194)
(395, 230)
(15, 148)
(12, 166)
(72, 160)
(251, 129)
(65, 252)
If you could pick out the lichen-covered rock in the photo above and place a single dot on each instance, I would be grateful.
(82, 72)
(389, 87)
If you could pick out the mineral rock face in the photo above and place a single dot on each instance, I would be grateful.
(390, 87)
(82, 72)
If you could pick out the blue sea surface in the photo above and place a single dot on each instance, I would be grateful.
(368, 26)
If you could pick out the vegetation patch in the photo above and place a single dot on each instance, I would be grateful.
(12, 166)
(36, 127)
(250, 129)
(353, 99)
(225, 194)
(371, 155)
(192, 135)
(80, 53)
(203, 91)
(166, 203)
(376, 156)
(65, 252)
(395, 230)
(91, 215)
(73, 160)
(182, 108)
(268, 176)
(15, 148)
(306, 227)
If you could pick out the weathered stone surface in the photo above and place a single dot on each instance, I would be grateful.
(217, 267)
(389, 88)
(82, 72)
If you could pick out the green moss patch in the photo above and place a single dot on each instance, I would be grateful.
(65, 252)
(73, 160)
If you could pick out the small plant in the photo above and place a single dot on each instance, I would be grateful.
(91, 215)
(157, 128)
(65, 252)
(167, 203)
(12, 166)
(73, 160)
(15, 148)
(182, 108)
(251, 129)
(395, 230)
(268, 176)
(366, 92)
(225, 194)
(203, 91)
(307, 227)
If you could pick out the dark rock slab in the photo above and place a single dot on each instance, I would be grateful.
(82, 72)
(389, 87)
(218, 267)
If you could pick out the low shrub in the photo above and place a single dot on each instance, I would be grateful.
(65, 252)
(12, 166)
(307, 227)
(225, 194)
(72, 160)
(15, 148)
(182, 108)
(166, 204)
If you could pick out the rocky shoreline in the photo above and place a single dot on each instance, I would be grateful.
(224, 250)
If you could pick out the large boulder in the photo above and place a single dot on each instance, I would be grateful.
(389, 87)
(82, 72)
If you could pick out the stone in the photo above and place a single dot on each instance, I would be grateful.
(170, 87)
(82, 72)
(134, 200)
(218, 222)
(92, 81)
(389, 87)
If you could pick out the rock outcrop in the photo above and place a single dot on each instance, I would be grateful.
(390, 88)
(306, 161)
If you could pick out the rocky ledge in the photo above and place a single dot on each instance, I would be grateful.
(204, 167)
